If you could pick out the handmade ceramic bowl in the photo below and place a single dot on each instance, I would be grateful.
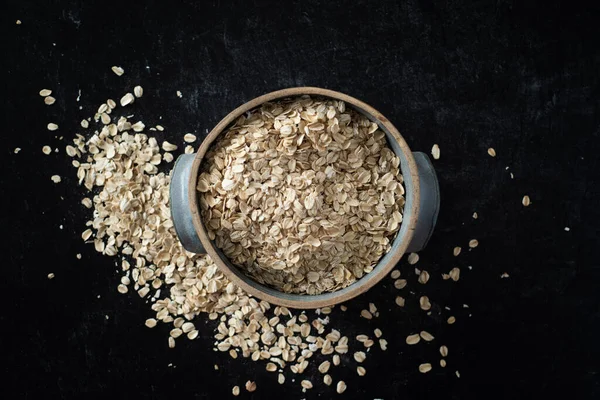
(419, 218)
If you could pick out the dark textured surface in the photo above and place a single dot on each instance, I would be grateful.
(523, 78)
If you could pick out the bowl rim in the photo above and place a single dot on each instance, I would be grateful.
(298, 301)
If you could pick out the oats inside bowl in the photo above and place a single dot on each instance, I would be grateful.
(302, 194)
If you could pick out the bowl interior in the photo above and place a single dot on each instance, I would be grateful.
(385, 264)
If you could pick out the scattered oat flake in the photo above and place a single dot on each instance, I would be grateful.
(45, 92)
(475, 216)
(400, 283)
(118, 70)
(127, 99)
(443, 363)
(473, 243)
(187, 327)
(361, 371)
(49, 100)
(366, 314)
(138, 126)
(271, 367)
(456, 251)
(160, 128)
(454, 274)
(372, 308)
(17, 150)
(138, 91)
(235, 391)
(71, 151)
(424, 368)
(324, 367)
(504, 275)
(340, 387)
(52, 126)
(457, 374)
(103, 108)
(166, 146)
(87, 202)
(426, 336)
(526, 201)
(51, 275)
(86, 234)
(306, 384)
(150, 323)
(424, 303)
(383, 344)
(435, 152)
(360, 356)
(179, 94)
(413, 339)
(46, 150)
(492, 152)
(55, 178)
(451, 320)
(250, 386)
(336, 359)
(400, 301)
(18, 22)
(444, 351)
(176, 332)
(168, 157)
(189, 138)
(413, 258)
(423, 277)
(567, 229)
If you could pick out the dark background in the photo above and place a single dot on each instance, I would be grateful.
(521, 77)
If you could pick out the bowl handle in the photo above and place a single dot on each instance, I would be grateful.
(429, 205)
(180, 206)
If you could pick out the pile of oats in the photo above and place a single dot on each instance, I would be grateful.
(132, 220)
(304, 195)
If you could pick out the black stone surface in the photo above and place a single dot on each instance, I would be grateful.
(521, 77)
